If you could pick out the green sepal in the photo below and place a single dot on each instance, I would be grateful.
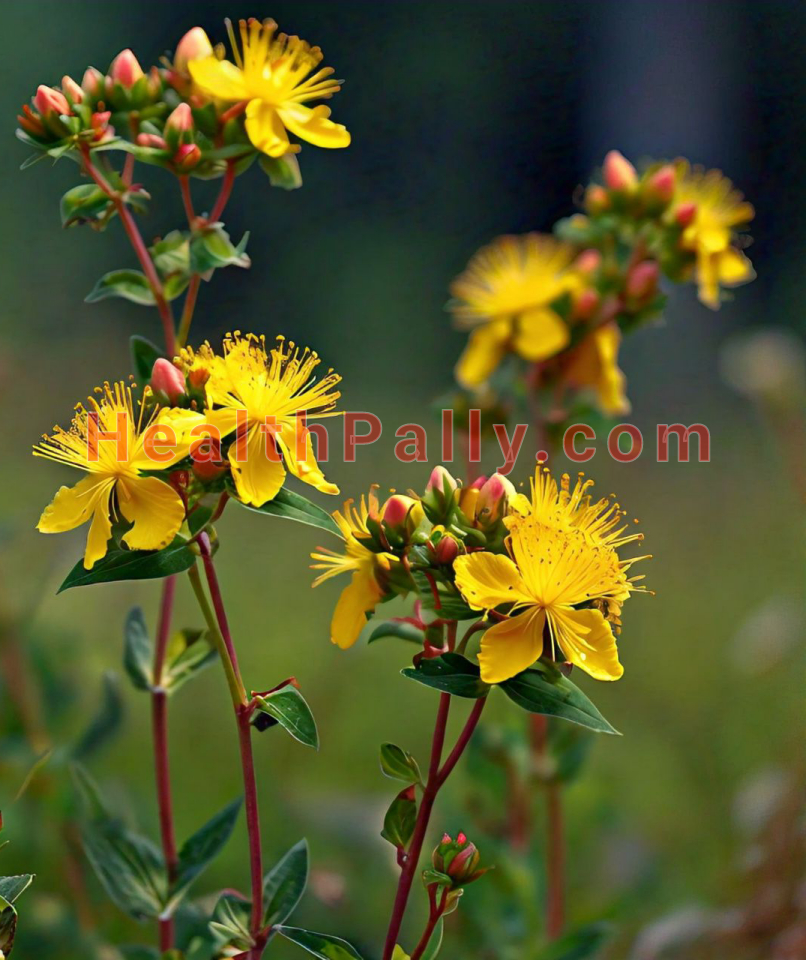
(211, 248)
(288, 708)
(401, 631)
(399, 764)
(400, 819)
(321, 945)
(285, 883)
(86, 203)
(293, 506)
(282, 172)
(450, 673)
(430, 876)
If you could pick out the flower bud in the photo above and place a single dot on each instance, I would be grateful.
(72, 90)
(588, 261)
(447, 550)
(597, 199)
(207, 464)
(660, 186)
(401, 515)
(197, 377)
(92, 83)
(586, 304)
(167, 380)
(31, 122)
(181, 119)
(151, 140)
(186, 157)
(642, 280)
(493, 499)
(125, 69)
(619, 174)
(441, 480)
(99, 122)
(684, 215)
(439, 498)
(458, 859)
(49, 101)
(193, 46)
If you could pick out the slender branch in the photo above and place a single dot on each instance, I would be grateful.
(555, 861)
(159, 715)
(433, 918)
(187, 200)
(463, 741)
(187, 311)
(224, 194)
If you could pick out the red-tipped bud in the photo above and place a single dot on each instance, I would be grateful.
(92, 83)
(207, 462)
(125, 69)
(180, 120)
(441, 481)
(193, 46)
(167, 380)
(446, 838)
(661, 184)
(395, 510)
(30, 122)
(151, 140)
(186, 157)
(461, 838)
(619, 174)
(586, 304)
(49, 101)
(99, 122)
(642, 280)
(72, 90)
(588, 261)
(685, 213)
(478, 483)
(597, 199)
(446, 551)
(493, 499)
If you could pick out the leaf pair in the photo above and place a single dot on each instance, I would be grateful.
(189, 651)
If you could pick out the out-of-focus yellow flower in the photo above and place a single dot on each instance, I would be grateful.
(594, 364)
(562, 571)
(364, 592)
(714, 209)
(115, 483)
(271, 72)
(503, 298)
(265, 395)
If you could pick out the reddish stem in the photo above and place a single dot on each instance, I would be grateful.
(433, 918)
(159, 720)
(224, 194)
(187, 200)
(555, 862)
(187, 310)
(218, 600)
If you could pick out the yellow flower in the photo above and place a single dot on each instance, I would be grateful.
(271, 74)
(562, 571)
(503, 298)
(113, 485)
(265, 395)
(594, 364)
(716, 208)
(364, 592)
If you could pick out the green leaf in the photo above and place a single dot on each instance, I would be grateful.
(581, 944)
(12, 887)
(399, 764)
(450, 673)
(87, 789)
(543, 689)
(211, 248)
(282, 172)
(288, 707)
(293, 506)
(435, 943)
(86, 203)
(230, 923)
(144, 354)
(320, 944)
(8, 926)
(201, 849)
(106, 722)
(138, 650)
(189, 652)
(285, 883)
(398, 824)
(402, 631)
(171, 254)
(129, 284)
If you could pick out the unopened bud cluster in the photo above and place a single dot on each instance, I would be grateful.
(456, 863)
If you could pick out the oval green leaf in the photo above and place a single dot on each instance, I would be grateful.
(289, 708)
(399, 764)
(321, 945)
(285, 883)
(129, 284)
(450, 673)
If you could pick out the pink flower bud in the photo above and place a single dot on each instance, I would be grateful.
(166, 379)
(588, 261)
(441, 481)
(685, 213)
(49, 101)
(493, 497)
(181, 120)
(461, 839)
(395, 510)
(619, 174)
(100, 124)
(71, 89)
(478, 483)
(597, 199)
(30, 122)
(446, 838)
(186, 157)
(642, 280)
(447, 550)
(151, 140)
(661, 184)
(193, 46)
(125, 69)
(92, 83)
(586, 304)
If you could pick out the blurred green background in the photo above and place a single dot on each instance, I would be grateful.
(468, 120)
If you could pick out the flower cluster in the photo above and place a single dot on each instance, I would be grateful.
(559, 304)
(197, 112)
(543, 571)
(228, 423)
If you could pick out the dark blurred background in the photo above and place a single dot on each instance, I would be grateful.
(468, 120)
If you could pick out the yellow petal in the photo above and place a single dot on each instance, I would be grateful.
(312, 124)
(708, 279)
(586, 639)
(155, 509)
(73, 506)
(511, 646)
(485, 349)
(257, 479)
(301, 462)
(265, 129)
(355, 602)
(219, 78)
(594, 364)
(100, 532)
(175, 419)
(487, 580)
(539, 334)
(734, 267)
